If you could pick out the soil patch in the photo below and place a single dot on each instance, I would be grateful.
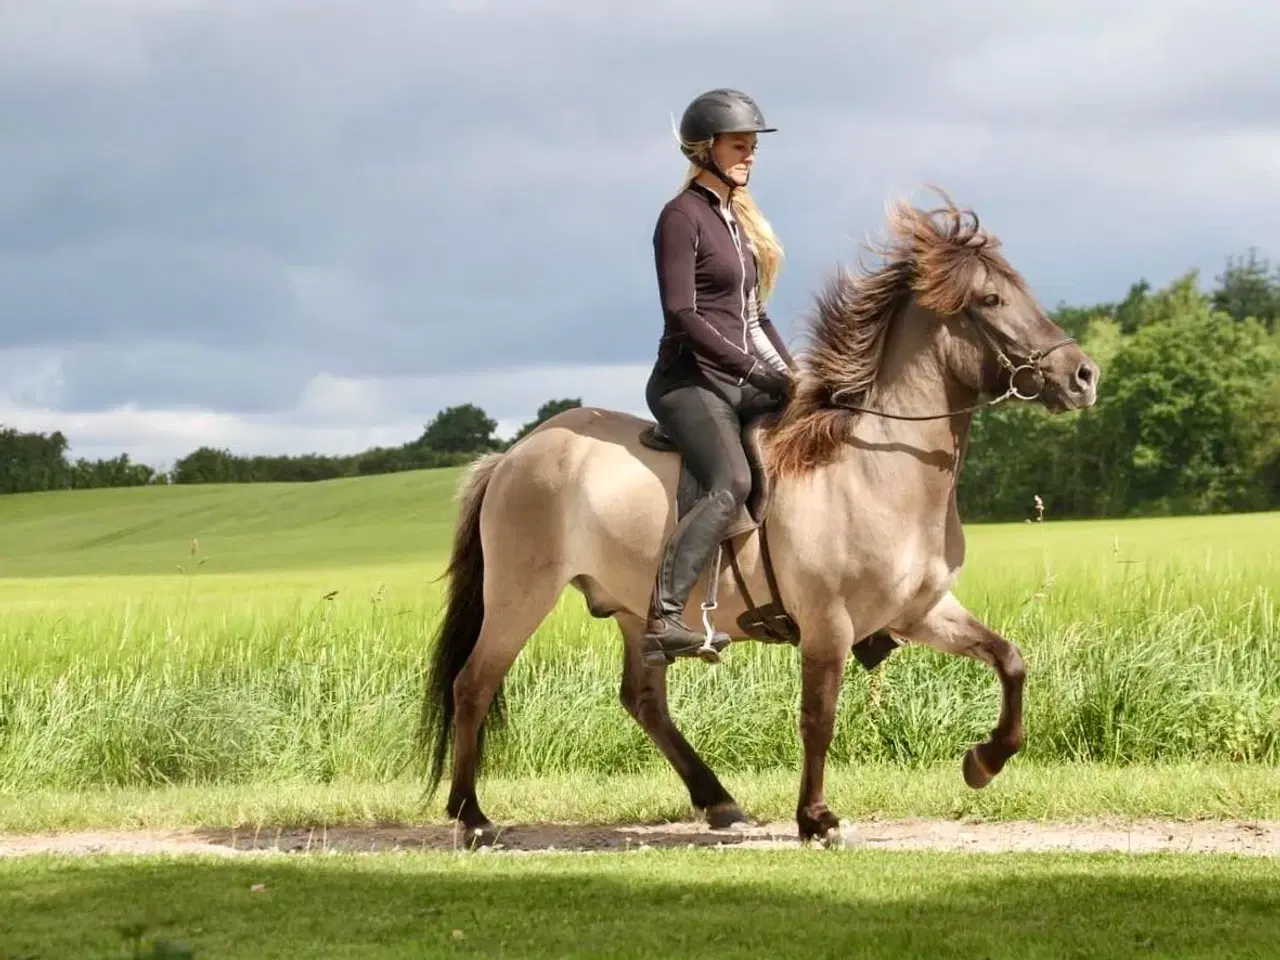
(1256, 838)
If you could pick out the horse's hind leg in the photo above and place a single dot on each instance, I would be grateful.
(516, 603)
(951, 628)
(644, 694)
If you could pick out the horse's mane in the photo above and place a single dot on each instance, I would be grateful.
(933, 255)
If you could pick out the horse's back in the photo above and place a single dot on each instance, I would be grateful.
(585, 489)
(589, 455)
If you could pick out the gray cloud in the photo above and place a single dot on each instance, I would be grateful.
(211, 205)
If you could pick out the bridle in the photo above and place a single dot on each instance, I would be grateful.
(1031, 364)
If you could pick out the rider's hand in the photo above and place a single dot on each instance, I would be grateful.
(771, 380)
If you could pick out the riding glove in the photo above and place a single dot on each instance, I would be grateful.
(772, 381)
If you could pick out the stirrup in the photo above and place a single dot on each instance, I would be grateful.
(712, 642)
(707, 651)
(659, 650)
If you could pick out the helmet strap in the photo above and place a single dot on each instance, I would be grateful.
(714, 168)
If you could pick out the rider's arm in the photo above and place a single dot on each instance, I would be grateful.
(674, 246)
(770, 331)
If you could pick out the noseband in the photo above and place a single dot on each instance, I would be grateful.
(1030, 364)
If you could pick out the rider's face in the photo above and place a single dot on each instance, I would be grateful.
(735, 154)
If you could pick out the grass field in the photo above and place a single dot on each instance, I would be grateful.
(290, 648)
(253, 655)
(658, 904)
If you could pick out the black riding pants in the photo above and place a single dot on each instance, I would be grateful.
(706, 421)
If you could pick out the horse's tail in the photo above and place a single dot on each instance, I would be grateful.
(460, 628)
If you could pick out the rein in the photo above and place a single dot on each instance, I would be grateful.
(1031, 364)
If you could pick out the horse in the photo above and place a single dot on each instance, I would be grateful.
(852, 527)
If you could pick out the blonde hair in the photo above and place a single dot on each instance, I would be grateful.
(760, 236)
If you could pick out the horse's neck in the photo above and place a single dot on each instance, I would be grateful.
(924, 456)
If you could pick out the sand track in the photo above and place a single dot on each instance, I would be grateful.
(1255, 838)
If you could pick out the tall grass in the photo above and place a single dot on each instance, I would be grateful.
(1146, 642)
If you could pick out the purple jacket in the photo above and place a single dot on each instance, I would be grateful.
(708, 287)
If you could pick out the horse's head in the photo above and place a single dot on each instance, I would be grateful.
(945, 301)
(1020, 350)
(1002, 340)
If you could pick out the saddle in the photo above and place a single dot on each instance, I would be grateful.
(770, 622)
(690, 490)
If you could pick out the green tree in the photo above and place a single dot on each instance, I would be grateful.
(1249, 288)
(1176, 433)
(1266, 444)
(1130, 313)
(118, 471)
(32, 461)
(460, 429)
(1011, 457)
(1075, 320)
(207, 465)
(1181, 298)
(1102, 340)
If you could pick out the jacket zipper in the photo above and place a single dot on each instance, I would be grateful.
(732, 224)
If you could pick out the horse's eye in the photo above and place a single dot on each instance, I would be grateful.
(991, 300)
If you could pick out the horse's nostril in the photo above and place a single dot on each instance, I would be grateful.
(1084, 374)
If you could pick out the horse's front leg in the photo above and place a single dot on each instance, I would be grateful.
(951, 628)
(823, 654)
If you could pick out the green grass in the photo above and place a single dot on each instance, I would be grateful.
(243, 527)
(669, 903)
(1027, 792)
(290, 649)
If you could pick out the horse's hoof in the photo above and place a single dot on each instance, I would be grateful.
(825, 828)
(831, 838)
(726, 816)
(834, 838)
(475, 836)
(975, 774)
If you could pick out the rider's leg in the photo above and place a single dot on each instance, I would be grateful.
(708, 432)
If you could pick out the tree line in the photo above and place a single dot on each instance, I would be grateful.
(1188, 416)
(32, 462)
(1188, 421)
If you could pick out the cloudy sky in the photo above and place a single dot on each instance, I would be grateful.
(293, 226)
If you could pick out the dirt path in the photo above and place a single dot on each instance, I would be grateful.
(1257, 838)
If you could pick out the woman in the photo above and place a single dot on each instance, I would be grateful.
(720, 361)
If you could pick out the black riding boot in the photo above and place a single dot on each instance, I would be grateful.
(685, 556)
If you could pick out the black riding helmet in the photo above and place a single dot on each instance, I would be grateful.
(716, 112)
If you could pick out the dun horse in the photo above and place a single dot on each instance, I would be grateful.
(851, 532)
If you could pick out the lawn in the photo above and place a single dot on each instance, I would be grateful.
(670, 903)
(233, 642)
